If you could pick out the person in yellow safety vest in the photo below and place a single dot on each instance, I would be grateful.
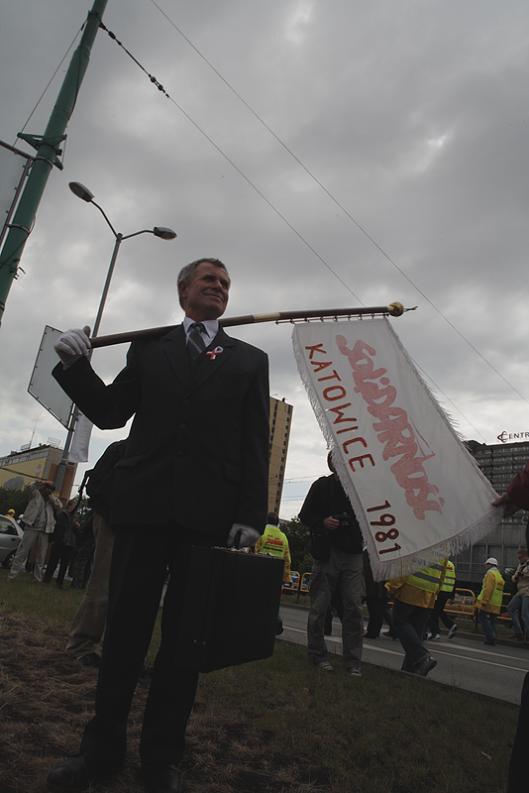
(445, 596)
(490, 599)
(413, 598)
(274, 542)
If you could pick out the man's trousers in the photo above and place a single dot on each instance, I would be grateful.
(31, 538)
(89, 622)
(519, 606)
(342, 571)
(141, 560)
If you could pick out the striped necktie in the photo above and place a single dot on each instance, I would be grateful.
(195, 340)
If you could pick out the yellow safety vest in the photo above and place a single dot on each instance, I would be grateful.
(273, 542)
(494, 604)
(427, 579)
(449, 581)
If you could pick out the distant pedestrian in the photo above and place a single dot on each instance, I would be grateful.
(274, 542)
(62, 544)
(518, 607)
(81, 564)
(38, 525)
(490, 599)
(447, 593)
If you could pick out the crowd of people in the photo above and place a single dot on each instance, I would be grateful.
(54, 541)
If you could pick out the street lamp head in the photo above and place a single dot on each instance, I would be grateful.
(81, 191)
(164, 233)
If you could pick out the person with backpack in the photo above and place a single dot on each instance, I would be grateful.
(88, 625)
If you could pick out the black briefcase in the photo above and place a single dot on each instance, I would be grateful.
(232, 603)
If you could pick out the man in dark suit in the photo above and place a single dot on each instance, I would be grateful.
(194, 471)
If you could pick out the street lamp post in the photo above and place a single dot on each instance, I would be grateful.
(163, 233)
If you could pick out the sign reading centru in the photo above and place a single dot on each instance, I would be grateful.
(507, 437)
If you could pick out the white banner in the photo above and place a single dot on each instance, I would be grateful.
(417, 492)
(81, 440)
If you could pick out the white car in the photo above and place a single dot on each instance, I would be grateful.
(10, 537)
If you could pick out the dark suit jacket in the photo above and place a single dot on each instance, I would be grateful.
(197, 453)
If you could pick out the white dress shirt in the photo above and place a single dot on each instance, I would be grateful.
(211, 328)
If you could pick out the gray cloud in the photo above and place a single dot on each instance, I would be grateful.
(413, 115)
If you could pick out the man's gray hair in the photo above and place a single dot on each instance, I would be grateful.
(186, 273)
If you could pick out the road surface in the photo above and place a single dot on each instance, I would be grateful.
(462, 662)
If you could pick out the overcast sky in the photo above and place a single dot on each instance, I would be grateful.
(412, 114)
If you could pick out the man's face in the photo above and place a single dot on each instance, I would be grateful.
(522, 556)
(206, 295)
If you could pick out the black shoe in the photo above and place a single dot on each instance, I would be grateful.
(424, 666)
(490, 643)
(90, 659)
(76, 773)
(163, 779)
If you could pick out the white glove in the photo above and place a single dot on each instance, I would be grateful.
(72, 345)
(246, 536)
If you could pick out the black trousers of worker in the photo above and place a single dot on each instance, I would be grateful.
(438, 613)
(409, 623)
(377, 608)
(138, 572)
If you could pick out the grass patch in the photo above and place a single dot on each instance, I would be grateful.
(276, 726)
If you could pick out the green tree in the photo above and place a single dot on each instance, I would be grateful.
(14, 499)
(299, 541)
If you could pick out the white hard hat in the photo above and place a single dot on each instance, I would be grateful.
(491, 560)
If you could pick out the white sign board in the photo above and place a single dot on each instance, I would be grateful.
(42, 386)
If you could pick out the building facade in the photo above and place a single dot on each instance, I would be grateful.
(20, 469)
(500, 462)
(280, 421)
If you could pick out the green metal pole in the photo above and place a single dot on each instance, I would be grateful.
(48, 148)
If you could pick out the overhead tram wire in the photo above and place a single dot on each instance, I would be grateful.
(270, 204)
(238, 169)
(335, 200)
(41, 97)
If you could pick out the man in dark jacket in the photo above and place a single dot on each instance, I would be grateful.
(336, 546)
(195, 471)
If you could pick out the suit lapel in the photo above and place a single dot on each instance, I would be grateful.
(207, 365)
(174, 346)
